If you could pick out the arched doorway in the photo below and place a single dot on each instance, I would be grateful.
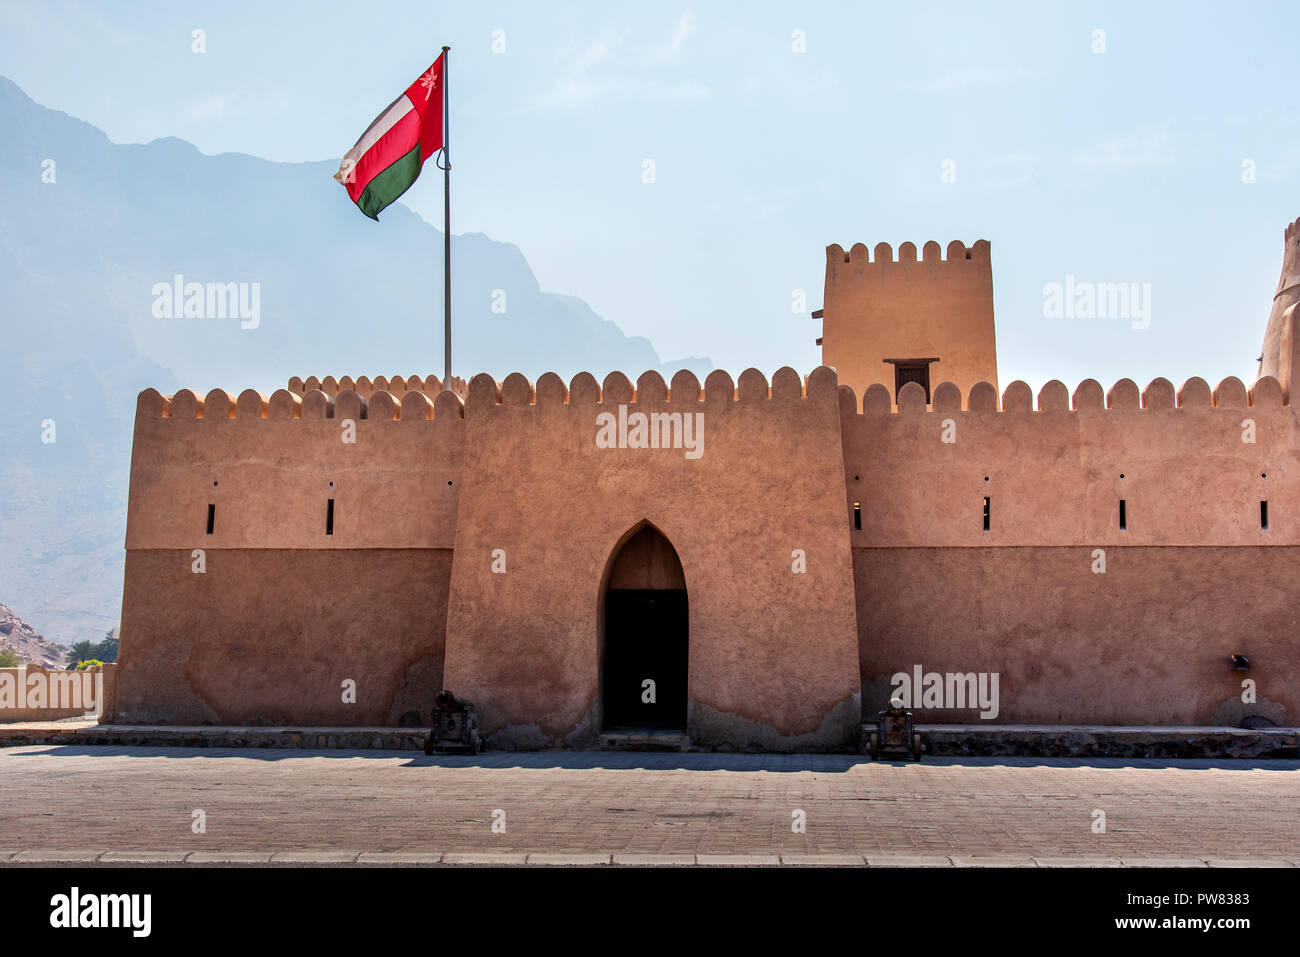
(645, 628)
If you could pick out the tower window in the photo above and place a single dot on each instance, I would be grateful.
(912, 370)
(857, 516)
(329, 517)
(212, 518)
(1123, 515)
(986, 513)
(1263, 515)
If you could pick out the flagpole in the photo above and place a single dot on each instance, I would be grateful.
(446, 224)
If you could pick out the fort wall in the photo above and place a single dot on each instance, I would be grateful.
(1086, 621)
(260, 619)
(772, 653)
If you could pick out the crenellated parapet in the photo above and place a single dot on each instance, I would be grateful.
(291, 471)
(364, 386)
(377, 405)
(650, 389)
(957, 256)
(1093, 468)
(1054, 396)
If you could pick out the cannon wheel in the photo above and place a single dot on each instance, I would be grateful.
(874, 746)
(428, 743)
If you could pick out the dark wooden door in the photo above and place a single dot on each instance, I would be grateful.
(645, 638)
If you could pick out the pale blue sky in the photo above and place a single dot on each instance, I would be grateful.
(1122, 166)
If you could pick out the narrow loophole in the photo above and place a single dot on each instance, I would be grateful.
(1123, 515)
(329, 517)
(1263, 515)
(212, 518)
(857, 516)
(986, 513)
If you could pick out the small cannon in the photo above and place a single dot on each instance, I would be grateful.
(455, 727)
(894, 737)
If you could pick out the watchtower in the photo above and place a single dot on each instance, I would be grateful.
(893, 321)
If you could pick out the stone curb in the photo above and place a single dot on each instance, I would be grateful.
(290, 858)
(941, 741)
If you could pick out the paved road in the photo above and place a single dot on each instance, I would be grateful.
(90, 801)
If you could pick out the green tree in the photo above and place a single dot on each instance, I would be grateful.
(8, 659)
(106, 650)
(79, 653)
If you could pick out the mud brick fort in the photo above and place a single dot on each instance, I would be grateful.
(546, 549)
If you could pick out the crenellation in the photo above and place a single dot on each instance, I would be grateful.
(786, 384)
(384, 407)
(218, 405)
(1230, 394)
(349, 405)
(946, 397)
(1089, 396)
(416, 406)
(1018, 397)
(1265, 393)
(1195, 394)
(751, 387)
(719, 389)
(186, 404)
(849, 411)
(551, 390)
(584, 390)
(317, 405)
(1124, 394)
(617, 390)
(685, 387)
(251, 404)
(516, 390)
(911, 398)
(1159, 394)
(284, 405)
(983, 397)
(1054, 396)
(877, 400)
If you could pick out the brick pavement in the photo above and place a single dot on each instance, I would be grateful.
(109, 803)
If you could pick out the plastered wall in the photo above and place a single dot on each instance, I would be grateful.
(1085, 621)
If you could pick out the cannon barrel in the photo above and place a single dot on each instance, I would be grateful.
(446, 701)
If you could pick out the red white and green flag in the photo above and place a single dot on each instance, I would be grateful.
(388, 157)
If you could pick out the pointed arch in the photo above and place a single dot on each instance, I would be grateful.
(643, 640)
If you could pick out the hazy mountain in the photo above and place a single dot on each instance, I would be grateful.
(90, 233)
(31, 648)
